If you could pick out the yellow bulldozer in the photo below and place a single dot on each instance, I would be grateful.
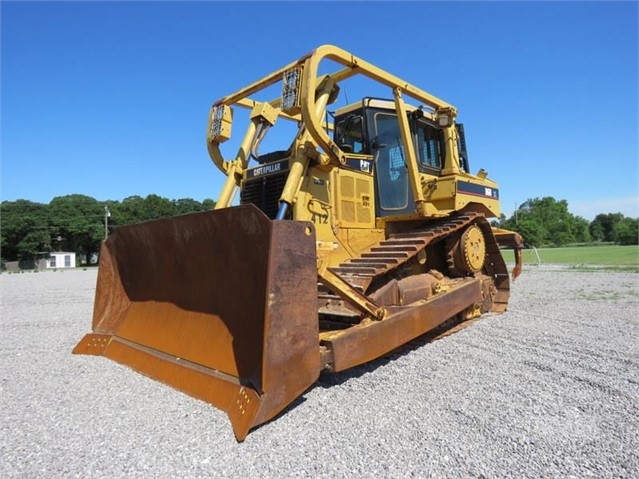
(364, 232)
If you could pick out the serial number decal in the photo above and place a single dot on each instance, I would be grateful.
(477, 190)
(267, 169)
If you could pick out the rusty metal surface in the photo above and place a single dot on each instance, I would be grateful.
(394, 252)
(513, 240)
(223, 305)
(400, 248)
(220, 305)
(372, 339)
(495, 266)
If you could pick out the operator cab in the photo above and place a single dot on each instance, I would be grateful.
(371, 128)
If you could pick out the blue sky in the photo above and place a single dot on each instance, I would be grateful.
(111, 99)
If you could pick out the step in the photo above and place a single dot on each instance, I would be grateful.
(403, 241)
(387, 255)
(375, 260)
(355, 270)
(365, 263)
(397, 249)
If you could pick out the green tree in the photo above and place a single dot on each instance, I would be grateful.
(531, 231)
(158, 207)
(208, 204)
(130, 210)
(187, 205)
(547, 219)
(30, 229)
(581, 230)
(596, 231)
(25, 231)
(626, 231)
(603, 226)
(78, 220)
(135, 209)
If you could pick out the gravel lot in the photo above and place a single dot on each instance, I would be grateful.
(549, 389)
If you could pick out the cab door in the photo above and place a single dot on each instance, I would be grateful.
(392, 189)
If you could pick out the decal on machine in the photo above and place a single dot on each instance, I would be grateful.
(359, 164)
(477, 190)
(319, 211)
(365, 165)
(267, 169)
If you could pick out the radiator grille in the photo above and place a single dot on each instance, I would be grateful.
(363, 189)
(363, 214)
(347, 186)
(264, 192)
(348, 211)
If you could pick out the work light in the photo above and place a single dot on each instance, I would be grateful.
(291, 90)
(220, 123)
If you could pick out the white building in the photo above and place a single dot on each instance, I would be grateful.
(61, 259)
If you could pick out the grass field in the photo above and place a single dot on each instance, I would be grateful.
(611, 255)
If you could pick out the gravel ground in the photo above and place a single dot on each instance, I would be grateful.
(549, 389)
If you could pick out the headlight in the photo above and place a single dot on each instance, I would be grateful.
(444, 120)
(291, 90)
(220, 123)
(445, 117)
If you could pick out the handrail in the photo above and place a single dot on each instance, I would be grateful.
(310, 117)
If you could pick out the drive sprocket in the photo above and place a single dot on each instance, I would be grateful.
(466, 253)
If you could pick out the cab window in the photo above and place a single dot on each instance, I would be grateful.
(429, 146)
(349, 134)
(390, 164)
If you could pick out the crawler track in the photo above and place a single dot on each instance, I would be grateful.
(396, 251)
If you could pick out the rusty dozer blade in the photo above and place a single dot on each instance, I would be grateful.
(221, 305)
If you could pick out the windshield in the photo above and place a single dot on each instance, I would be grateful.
(349, 134)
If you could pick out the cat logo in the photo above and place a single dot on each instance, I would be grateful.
(365, 166)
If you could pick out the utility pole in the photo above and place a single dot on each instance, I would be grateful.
(107, 213)
(515, 212)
